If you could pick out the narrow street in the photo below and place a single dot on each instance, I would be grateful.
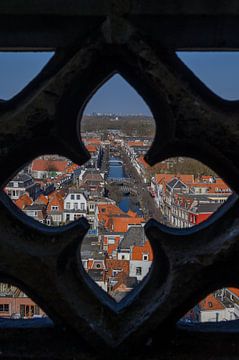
(146, 201)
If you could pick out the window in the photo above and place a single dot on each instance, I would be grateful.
(56, 217)
(4, 307)
(68, 206)
(115, 272)
(54, 208)
(37, 310)
(78, 197)
(82, 206)
(138, 270)
(67, 217)
(31, 213)
(72, 197)
(145, 257)
(27, 310)
(75, 206)
(111, 240)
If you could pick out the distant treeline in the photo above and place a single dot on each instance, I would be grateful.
(182, 165)
(130, 125)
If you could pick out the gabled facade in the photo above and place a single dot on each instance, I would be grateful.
(75, 206)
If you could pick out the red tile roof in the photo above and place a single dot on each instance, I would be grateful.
(142, 162)
(136, 143)
(42, 199)
(210, 303)
(71, 168)
(138, 251)
(91, 148)
(93, 141)
(46, 165)
(159, 178)
(56, 199)
(121, 224)
(234, 291)
(23, 201)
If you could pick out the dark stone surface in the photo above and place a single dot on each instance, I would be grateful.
(92, 40)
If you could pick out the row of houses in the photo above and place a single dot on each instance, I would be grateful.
(15, 304)
(185, 201)
(121, 256)
(222, 305)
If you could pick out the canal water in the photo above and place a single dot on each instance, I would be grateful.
(126, 203)
(116, 171)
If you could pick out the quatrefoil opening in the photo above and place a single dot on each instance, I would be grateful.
(153, 302)
(58, 191)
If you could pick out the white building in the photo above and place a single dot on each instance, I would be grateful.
(75, 206)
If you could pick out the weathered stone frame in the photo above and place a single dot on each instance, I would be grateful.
(45, 118)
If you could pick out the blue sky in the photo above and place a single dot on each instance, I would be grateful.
(219, 71)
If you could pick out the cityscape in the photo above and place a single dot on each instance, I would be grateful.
(118, 192)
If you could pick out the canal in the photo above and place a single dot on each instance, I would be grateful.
(117, 171)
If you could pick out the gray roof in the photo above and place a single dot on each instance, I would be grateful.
(176, 183)
(204, 208)
(90, 249)
(96, 275)
(35, 207)
(134, 236)
(22, 177)
(131, 282)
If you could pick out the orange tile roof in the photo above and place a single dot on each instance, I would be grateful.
(138, 251)
(114, 264)
(114, 219)
(210, 303)
(141, 161)
(93, 141)
(23, 201)
(56, 200)
(71, 168)
(121, 224)
(132, 213)
(45, 165)
(43, 199)
(136, 143)
(206, 177)
(163, 177)
(105, 210)
(91, 148)
(220, 187)
(234, 291)
(186, 178)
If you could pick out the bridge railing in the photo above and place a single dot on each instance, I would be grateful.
(124, 180)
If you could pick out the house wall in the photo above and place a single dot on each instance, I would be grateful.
(15, 304)
(144, 265)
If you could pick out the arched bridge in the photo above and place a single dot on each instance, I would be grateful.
(115, 162)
